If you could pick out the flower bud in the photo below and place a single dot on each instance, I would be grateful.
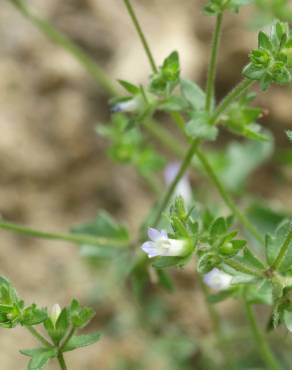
(55, 313)
(217, 279)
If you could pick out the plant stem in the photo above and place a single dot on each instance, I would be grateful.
(60, 39)
(213, 62)
(67, 339)
(38, 336)
(101, 78)
(283, 251)
(227, 198)
(62, 362)
(164, 137)
(260, 340)
(141, 34)
(242, 268)
(75, 238)
(213, 314)
(184, 166)
(230, 98)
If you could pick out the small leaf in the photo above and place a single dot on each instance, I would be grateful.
(39, 357)
(193, 94)
(78, 341)
(218, 227)
(163, 262)
(132, 89)
(264, 41)
(199, 127)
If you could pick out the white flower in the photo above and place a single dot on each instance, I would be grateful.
(217, 279)
(183, 188)
(55, 313)
(131, 105)
(160, 245)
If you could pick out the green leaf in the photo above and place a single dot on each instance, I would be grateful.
(39, 357)
(33, 315)
(173, 104)
(171, 67)
(218, 227)
(222, 296)
(250, 155)
(80, 316)
(132, 89)
(199, 128)
(264, 41)
(264, 217)
(274, 243)
(78, 341)
(163, 262)
(260, 293)
(193, 94)
(165, 280)
(103, 226)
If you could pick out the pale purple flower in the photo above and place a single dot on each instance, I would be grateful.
(217, 279)
(131, 105)
(183, 188)
(161, 245)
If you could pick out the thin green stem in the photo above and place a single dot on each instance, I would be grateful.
(60, 39)
(141, 34)
(242, 268)
(74, 238)
(226, 197)
(234, 94)
(38, 336)
(62, 362)
(260, 340)
(168, 195)
(67, 339)
(283, 250)
(165, 138)
(213, 63)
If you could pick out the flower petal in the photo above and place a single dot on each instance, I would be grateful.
(154, 234)
(150, 249)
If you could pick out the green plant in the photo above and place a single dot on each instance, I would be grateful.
(233, 256)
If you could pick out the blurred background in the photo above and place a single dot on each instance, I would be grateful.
(55, 172)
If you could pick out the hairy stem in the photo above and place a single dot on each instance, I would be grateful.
(260, 340)
(283, 250)
(242, 268)
(38, 336)
(67, 339)
(213, 62)
(62, 362)
(102, 79)
(234, 94)
(75, 238)
(141, 34)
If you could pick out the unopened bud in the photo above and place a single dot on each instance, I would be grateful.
(55, 313)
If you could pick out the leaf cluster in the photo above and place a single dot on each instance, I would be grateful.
(270, 62)
(61, 329)
(215, 7)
